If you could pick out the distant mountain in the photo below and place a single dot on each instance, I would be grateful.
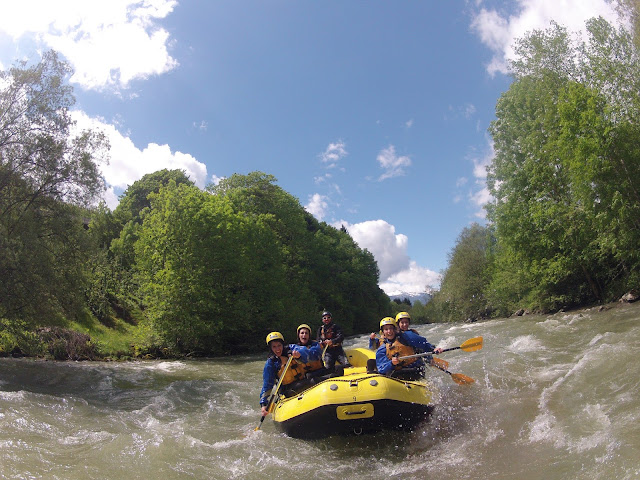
(424, 297)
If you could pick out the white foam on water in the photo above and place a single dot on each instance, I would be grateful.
(596, 418)
(574, 369)
(12, 396)
(252, 460)
(173, 366)
(459, 452)
(463, 327)
(224, 444)
(449, 342)
(545, 428)
(492, 435)
(550, 372)
(596, 339)
(84, 437)
(550, 324)
(575, 318)
(525, 343)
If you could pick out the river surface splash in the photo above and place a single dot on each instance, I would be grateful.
(556, 397)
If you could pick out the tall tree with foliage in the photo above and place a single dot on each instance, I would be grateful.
(113, 288)
(256, 194)
(327, 267)
(462, 291)
(564, 137)
(46, 173)
(211, 276)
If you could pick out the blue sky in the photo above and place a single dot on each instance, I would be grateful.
(374, 114)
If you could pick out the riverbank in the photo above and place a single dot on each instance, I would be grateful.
(123, 341)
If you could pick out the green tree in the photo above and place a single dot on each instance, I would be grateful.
(113, 288)
(46, 174)
(462, 291)
(326, 265)
(564, 177)
(136, 197)
(211, 277)
(257, 195)
(419, 313)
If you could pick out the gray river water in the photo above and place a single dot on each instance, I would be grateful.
(556, 397)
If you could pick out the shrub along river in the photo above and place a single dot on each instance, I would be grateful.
(556, 397)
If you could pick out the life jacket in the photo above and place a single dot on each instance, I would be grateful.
(327, 333)
(401, 350)
(295, 371)
(311, 365)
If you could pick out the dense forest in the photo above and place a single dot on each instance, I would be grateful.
(564, 224)
(175, 270)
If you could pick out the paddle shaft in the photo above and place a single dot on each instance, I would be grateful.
(449, 349)
(470, 345)
(275, 392)
(322, 355)
(417, 355)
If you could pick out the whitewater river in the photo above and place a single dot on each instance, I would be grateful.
(556, 397)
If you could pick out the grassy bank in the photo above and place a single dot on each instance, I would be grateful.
(87, 339)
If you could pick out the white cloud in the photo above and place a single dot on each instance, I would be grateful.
(469, 110)
(398, 273)
(333, 154)
(466, 111)
(380, 238)
(481, 196)
(110, 198)
(498, 32)
(414, 280)
(216, 179)
(393, 165)
(480, 165)
(409, 123)
(202, 126)
(317, 205)
(128, 163)
(109, 44)
(321, 178)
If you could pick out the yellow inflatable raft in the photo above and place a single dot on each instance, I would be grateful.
(357, 402)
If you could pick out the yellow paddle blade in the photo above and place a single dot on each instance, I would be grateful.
(440, 363)
(472, 344)
(461, 379)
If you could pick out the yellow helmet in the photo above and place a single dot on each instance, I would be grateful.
(275, 336)
(387, 321)
(303, 325)
(402, 315)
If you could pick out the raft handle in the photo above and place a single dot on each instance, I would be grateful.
(356, 413)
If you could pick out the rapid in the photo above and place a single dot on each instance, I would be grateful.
(555, 397)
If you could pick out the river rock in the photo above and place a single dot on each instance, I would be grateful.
(629, 297)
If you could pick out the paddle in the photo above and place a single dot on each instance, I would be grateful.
(459, 378)
(440, 362)
(470, 345)
(275, 392)
(322, 355)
